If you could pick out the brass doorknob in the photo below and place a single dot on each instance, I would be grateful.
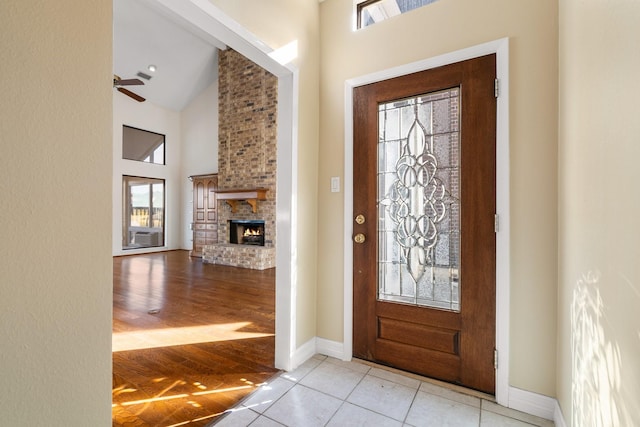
(359, 238)
(360, 219)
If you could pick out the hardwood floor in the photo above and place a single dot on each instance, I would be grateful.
(190, 339)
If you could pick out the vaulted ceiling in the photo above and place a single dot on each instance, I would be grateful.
(185, 59)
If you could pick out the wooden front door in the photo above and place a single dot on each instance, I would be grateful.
(205, 213)
(424, 215)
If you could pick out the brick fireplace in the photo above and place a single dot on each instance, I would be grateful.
(247, 102)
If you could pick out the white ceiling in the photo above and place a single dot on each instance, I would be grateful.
(186, 60)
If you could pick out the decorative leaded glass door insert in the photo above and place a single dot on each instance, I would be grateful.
(423, 226)
(419, 200)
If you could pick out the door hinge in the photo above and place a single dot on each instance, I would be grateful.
(496, 223)
(496, 87)
(495, 358)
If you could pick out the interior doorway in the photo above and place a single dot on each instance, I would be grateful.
(208, 21)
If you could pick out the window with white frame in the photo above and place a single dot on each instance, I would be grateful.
(142, 145)
(370, 12)
(143, 213)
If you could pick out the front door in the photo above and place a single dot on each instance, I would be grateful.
(424, 215)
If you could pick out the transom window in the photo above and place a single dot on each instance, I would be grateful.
(373, 11)
(142, 145)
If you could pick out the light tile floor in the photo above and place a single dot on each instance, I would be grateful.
(329, 392)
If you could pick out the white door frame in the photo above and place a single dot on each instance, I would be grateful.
(211, 23)
(501, 49)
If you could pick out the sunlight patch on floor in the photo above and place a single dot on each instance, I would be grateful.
(154, 338)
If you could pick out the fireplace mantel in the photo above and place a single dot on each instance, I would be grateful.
(251, 196)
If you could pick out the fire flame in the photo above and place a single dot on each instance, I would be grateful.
(251, 232)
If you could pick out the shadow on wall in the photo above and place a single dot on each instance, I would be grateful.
(598, 387)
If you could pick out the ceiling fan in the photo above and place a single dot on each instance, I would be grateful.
(118, 83)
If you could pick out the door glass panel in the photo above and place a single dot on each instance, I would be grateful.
(419, 200)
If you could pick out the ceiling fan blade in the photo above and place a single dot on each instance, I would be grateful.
(131, 94)
(129, 82)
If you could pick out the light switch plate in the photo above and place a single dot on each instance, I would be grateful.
(335, 184)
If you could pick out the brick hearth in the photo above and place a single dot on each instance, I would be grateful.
(245, 256)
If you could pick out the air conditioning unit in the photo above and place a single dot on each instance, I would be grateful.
(147, 238)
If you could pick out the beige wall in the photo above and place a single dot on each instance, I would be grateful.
(55, 213)
(278, 23)
(436, 29)
(599, 279)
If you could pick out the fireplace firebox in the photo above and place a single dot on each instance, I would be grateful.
(246, 232)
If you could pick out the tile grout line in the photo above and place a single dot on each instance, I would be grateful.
(262, 414)
(404, 420)
(240, 403)
(297, 383)
(335, 413)
(368, 373)
(349, 394)
(511, 416)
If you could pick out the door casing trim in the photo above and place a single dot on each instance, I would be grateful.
(210, 21)
(501, 48)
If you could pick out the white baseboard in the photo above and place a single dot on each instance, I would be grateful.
(303, 353)
(317, 346)
(330, 348)
(532, 403)
(558, 418)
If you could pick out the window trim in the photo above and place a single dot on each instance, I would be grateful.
(150, 153)
(361, 5)
(359, 8)
(127, 210)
